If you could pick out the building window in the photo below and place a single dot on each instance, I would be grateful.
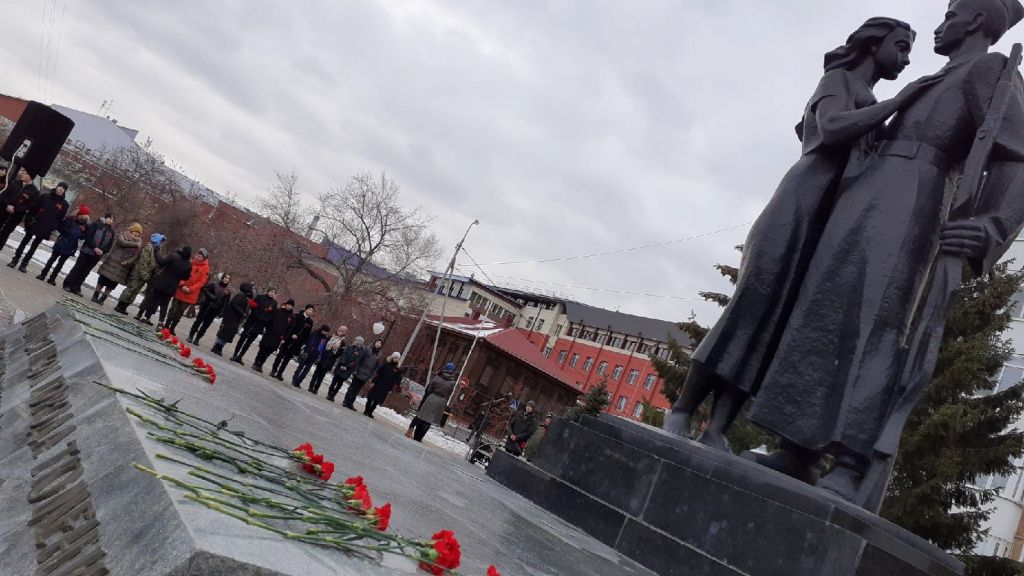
(617, 373)
(630, 345)
(649, 381)
(601, 339)
(638, 409)
(664, 354)
(529, 323)
(645, 348)
(574, 360)
(540, 324)
(547, 352)
(574, 331)
(588, 364)
(616, 342)
(562, 355)
(633, 376)
(621, 404)
(602, 368)
(1017, 305)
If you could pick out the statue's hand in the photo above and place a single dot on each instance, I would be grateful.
(917, 87)
(966, 239)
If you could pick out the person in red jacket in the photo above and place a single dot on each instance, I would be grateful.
(189, 290)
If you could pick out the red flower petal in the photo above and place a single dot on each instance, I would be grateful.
(492, 571)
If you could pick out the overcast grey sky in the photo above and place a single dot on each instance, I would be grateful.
(566, 127)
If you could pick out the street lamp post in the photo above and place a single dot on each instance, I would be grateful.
(447, 279)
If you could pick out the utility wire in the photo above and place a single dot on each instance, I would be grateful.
(479, 267)
(60, 42)
(621, 251)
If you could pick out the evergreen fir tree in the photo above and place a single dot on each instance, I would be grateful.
(594, 402)
(651, 415)
(960, 430)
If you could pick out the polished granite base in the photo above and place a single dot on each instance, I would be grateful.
(681, 509)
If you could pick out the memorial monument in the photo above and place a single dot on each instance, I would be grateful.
(833, 331)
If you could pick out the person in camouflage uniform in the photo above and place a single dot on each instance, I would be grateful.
(143, 271)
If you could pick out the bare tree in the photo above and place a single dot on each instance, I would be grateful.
(366, 218)
(283, 203)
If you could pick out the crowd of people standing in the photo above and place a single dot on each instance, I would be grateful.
(180, 283)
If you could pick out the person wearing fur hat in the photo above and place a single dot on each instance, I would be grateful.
(72, 230)
(142, 272)
(117, 266)
(40, 223)
(16, 200)
(387, 379)
(188, 290)
(98, 241)
(280, 323)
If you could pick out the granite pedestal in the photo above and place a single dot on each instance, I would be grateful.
(681, 509)
(71, 503)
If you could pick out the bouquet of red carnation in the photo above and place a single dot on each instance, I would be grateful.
(312, 462)
(380, 517)
(441, 553)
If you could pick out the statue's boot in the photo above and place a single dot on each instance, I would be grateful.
(845, 479)
(700, 382)
(791, 460)
(728, 403)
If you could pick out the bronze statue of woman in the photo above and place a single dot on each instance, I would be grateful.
(838, 133)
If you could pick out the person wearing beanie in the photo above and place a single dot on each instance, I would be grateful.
(98, 241)
(294, 339)
(386, 379)
(434, 403)
(40, 223)
(334, 350)
(262, 313)
(117, 266)
(520, 428)
(72, 230)
(346, 364)
(16, 200)
(212, 300)
(142, 273)
(173, 270)
(363, 373)
(235, 312)
(280, 323)
(188, 290)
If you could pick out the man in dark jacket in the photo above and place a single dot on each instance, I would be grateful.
(15, 201)
(234, 314)
(312, 352)
(173, 269)
(40, 223)
(98, 241)
(298, 333)
(72, 230)
(259, 317)
(346, 366)
(334, 350)
(520, 428)
(280, 323)
(212, 300)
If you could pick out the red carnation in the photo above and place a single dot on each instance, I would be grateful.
(210, 370)
(381, 517)
(304, 448)
(165, 333)
(212, 378)
(174, 340)
(360, 499)
(446, 553)
(492, 571)
(354, 481)
(198, 363)
(326, 470)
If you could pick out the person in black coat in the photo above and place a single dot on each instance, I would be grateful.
(16, 200)
(72, 230)
(262, 312)
(298, 333)
(234, 314)
(312, 352)
(40, 223)
(98, 241)
(212, 300)
(334, 350)
(173, 269)
(386, 379)
(280, 323)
